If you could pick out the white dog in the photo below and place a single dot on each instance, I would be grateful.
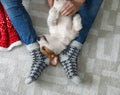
(62, 30)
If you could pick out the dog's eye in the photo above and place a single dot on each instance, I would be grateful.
(45, 38)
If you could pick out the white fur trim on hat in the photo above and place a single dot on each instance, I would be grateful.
(17, 43)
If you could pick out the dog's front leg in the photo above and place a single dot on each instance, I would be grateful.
(77, 25)
(53, 16)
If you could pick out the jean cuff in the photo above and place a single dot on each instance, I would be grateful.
(76, 44)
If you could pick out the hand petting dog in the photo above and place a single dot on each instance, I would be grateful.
(70, 7)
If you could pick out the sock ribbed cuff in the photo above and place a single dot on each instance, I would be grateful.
(33, 46)
(76, 44)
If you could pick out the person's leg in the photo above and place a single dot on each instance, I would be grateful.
(88, 13)
(23, 25)
(68, 57)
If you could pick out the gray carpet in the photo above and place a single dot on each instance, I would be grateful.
(99, 59)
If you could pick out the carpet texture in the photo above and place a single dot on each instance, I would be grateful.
(99, 59)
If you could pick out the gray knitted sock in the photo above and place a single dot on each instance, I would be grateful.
(68, 59)
(40, 62)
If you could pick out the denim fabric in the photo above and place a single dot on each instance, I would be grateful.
(88, 12)
(23, 24)
(20, 20)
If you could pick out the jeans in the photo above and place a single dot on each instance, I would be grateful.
(88, 12)
(23, 24)
(20, 20)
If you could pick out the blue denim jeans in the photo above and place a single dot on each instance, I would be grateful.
(20, 20)
(88, 12)
(23, 24)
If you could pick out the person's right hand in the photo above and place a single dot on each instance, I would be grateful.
(71, 7)
(50, 3)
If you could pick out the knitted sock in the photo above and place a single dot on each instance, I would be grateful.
(68, 59)
(40, 62)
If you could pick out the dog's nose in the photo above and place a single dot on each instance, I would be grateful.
(38, 38)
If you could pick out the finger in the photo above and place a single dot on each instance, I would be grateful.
(64, 12)
(65, 6)
(69, 13)
(67, 10)
(69, 7)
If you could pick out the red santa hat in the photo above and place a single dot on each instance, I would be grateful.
(8, 35)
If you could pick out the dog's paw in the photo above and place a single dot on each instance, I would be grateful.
(54, 13)
(77, 25)
(51, 22)
(53, 16)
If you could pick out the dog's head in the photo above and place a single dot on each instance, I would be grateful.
(43, 42)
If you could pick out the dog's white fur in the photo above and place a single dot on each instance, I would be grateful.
(62, 29)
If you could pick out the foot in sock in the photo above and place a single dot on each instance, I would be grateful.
(68, 59)
(40, 62)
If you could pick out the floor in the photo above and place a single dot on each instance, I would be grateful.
(99, 59)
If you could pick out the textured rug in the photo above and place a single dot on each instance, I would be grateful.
(99, 59)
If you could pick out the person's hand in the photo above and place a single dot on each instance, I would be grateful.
(71, 7)
(50, 3)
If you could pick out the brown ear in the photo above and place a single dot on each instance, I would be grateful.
(51, 55)
(54, 60)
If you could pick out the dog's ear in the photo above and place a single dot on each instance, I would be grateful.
(38, 38)
(54, 60)
(42, 37)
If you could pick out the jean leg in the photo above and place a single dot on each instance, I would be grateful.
(88, 12)
(20, 20)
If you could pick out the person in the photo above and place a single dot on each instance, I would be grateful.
(21, 20)
(24, 27)
(88, 10)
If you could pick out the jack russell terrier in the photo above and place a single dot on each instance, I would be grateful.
(62, 30)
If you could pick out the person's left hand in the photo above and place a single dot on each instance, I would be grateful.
(71, 7)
